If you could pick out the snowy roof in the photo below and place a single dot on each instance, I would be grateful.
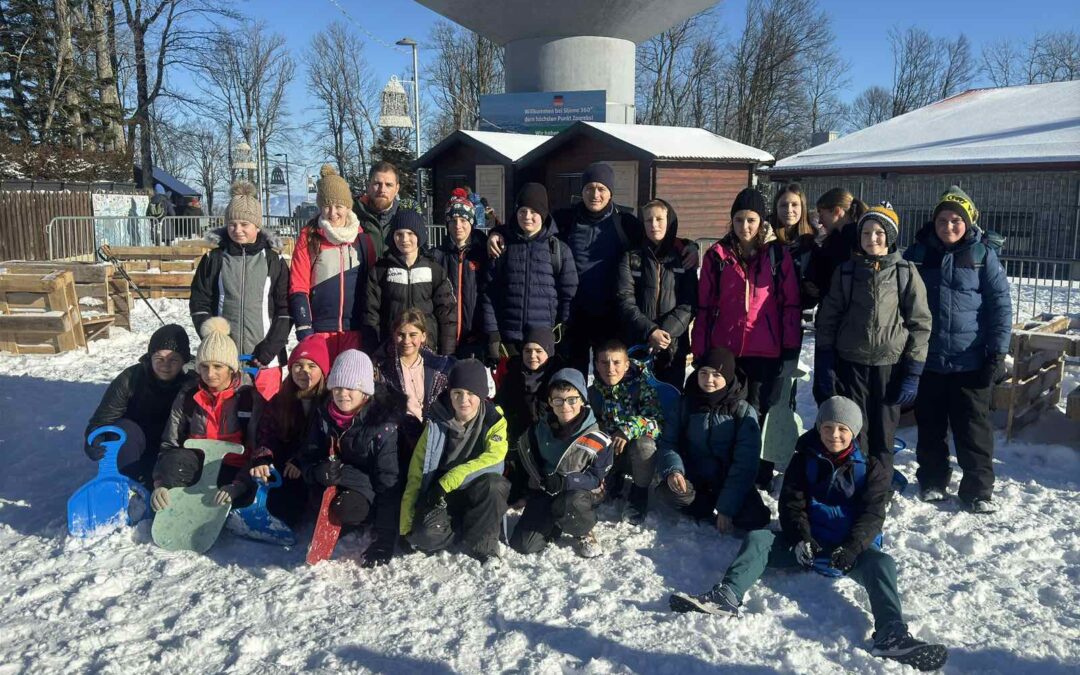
(1033, 124)
(510, 146)
(674, 142)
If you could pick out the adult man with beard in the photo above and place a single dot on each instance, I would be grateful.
(377, 207)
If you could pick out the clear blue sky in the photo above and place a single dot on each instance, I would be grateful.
(860, 26)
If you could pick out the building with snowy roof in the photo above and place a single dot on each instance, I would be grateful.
(695, 170)
(1015, 150)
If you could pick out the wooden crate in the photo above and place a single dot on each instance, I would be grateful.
(1072, 405)
(162, 271)
(39, 314)
(1038, 349)
(100, 290)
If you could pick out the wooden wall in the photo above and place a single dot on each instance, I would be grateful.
(701, 194)
(461, 160)
(571, 158)
(24, 215)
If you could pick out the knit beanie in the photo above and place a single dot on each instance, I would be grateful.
(470, 375)
(750, 200)
(541, 335)
(598, 172)
(572, 377)
(884, 214)
(720, 359)
(217, 346)
(352, 370)
(534, 196)
(842, 410)
(172, 337)
(244, 204)
(332, 189)
(413, 221)
(460, 205)
(955, 199)
(314, 349)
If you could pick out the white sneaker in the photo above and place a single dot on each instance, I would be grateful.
(588, 546)
(932, 495)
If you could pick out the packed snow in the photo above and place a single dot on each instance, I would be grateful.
(1002, 591)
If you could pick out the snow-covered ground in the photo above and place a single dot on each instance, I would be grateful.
(1003, 592)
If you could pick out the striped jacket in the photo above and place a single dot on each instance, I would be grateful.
(393, 287)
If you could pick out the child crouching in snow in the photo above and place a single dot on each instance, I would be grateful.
(832, 507)
(217, 407)
(566, 457)
(353, 443)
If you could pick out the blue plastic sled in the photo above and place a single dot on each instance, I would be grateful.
(669, 396)
(255, 522)
(104, 500)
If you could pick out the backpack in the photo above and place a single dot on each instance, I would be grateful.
(990, 241)
(556, 259)
(903, 280)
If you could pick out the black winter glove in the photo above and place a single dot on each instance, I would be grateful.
(94, 452)
(805, 552)
(350, 475)
(328, 473)
(494, 352)
(554, 484)
(379, 552)
(993, 370)
(263, 354)
(843, 559)
(434, 498)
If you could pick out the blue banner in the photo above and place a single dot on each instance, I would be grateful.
(544, 113)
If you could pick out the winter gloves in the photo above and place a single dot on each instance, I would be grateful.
(909, 385)
(805, 552)
(993, 371)
(554, 484)
(328, 473)
(434, 498)
(843, 559)
(494, 350)
(379, 552)
(824, 375)
(94, 452)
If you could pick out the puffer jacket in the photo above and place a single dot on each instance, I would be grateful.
(467, 269)
(631, 406)
(521, 395)
(968, 295)
(428, 466)
(394, 287)
(741, 308)
(835, 506)
(597, 246)
(521, 287)
(875, 322)
(247, 285)
(654, 291)
(583, 457)
(717, 446)
(138, 395)
(370, 444)
(198, 412)
(328, 282)
(835, 250)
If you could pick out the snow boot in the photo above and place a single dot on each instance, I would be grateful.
(613, 486)
(637, 506)
(932, 494)
(587, 546)
(979, 506)
(720, 601)
(899, 645)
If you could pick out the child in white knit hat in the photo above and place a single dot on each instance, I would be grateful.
(353, 444)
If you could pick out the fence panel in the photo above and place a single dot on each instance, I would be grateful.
(23, 215)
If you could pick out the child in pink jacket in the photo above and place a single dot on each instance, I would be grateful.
(748, 301)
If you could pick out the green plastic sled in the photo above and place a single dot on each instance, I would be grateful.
(783, 426)
(192, 521)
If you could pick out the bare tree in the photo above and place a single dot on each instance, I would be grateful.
(916, 63)
(465, 67)
(957, 69)
(667, 67)
(1046, 57)
(872, 106)
(112, 114)
(826, 78)
(204, 150)
(1000, 60)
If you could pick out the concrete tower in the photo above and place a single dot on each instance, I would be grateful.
(571, 45)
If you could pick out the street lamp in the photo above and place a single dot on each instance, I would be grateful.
(409, 42)
(288, 190)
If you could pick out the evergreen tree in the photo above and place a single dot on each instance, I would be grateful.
(394, 146)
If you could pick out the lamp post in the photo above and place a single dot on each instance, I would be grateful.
(288, 190)
(409, 42)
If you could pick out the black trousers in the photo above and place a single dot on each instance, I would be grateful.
(699, 500)
(475, 510)
(960, 401)
(585, 332)
(547, 516)
(870, 387)
(671, 368)
(762, 381)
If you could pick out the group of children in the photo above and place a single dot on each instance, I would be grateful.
(387, 393)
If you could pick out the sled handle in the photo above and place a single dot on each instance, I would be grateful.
(275, 480)
(250, 370)
(632, 353)
(898, 445)
(108, 467)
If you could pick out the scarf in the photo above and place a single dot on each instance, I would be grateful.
(346, 234)
(587, 216)
(342, 419)
(461, 438)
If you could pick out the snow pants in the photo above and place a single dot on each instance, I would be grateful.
(584, 332)
(475, 510)
(960, 401)
(874, 570)
(636, 459)
(548, 516)
(352, 508)
(136, 460)
(870, 387)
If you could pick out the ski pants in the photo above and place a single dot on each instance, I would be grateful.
(475, 510)
(960, 401)
(584, 332)
(547, 516)
(636, 459)
(874, 570)
(870, 387)
(351, 507)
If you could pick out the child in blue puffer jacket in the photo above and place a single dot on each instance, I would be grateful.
(832, 508)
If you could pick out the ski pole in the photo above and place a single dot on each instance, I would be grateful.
(105, 255)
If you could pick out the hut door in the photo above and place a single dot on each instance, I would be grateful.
(491, 183)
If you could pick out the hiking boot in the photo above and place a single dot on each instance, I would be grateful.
(979, 505)
(588, 546)
(720, 601)
(932, 494)
(900, 646)
(637, 506)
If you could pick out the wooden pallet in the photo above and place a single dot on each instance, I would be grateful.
(1072, 405)
(40, 314)
(101, 291)
(1038, 349)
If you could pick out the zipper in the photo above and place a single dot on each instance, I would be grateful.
(341, 289)
(243, 296)
(659, 280)
(460, 290)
